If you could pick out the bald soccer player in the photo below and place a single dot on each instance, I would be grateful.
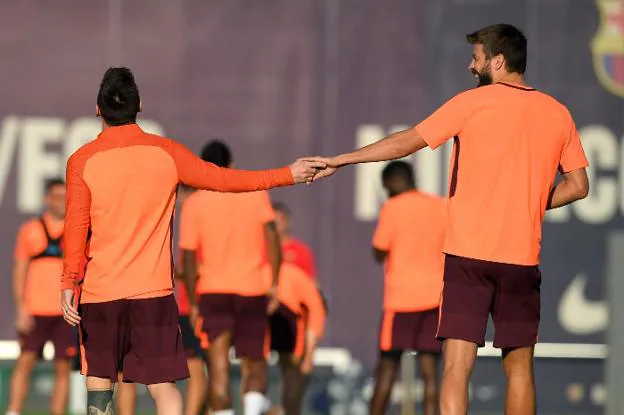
(232, 232)
(121, 191)
(408, 240)
(510, 141)
(36, 288)
(296, 328)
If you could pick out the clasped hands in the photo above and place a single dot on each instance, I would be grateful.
(310, 169)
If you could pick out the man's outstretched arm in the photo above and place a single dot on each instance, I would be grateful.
(394, 146)
(195, 172)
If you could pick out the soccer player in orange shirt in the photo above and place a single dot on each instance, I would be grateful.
(232, 232)
(408, 240)
(121, 191)
(36, 288)
(510, 140)
(296, 328)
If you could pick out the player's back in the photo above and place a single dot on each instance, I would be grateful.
(230, 233)
(132, 181)
(512, 140)
(414, 223)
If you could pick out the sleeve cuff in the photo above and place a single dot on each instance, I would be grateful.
(67, 282)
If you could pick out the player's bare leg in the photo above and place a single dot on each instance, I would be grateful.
(428, 368)
(459, 359)
(255, 386)
(20, 380)
(219, 374)
(294, 384)
(58, 400)
(518, 365)
(385, 374)
(167, 398)
(99, 396)
(196, 387)
(125, 397)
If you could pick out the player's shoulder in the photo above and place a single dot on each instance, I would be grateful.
(31, 224)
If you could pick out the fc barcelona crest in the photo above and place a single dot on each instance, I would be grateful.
(608, 46)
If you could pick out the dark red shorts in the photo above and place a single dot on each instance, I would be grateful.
(244, 317)
(139, 337)
(473, 289)
(287, 332)
(409, 330)
(53, 329)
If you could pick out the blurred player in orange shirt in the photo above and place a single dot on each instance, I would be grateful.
(296, 328)
(408, 239)
(196, 387)
(37, 292)
(232, 231)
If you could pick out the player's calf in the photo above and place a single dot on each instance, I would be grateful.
(518, 366)
(385, 374)
(20, 381)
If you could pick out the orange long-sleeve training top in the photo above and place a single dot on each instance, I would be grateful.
(121, 188)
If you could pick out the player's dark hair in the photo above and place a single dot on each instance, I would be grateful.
(502, 39)
(52, 183)
(281, 207)
(217, 152)
(398, 169)
(118, 98)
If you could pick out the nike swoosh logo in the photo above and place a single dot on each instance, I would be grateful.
(579, 315)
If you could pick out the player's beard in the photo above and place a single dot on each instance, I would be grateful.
(484, 77)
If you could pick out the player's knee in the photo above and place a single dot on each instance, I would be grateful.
(163, 391)
(26, 360)
(518, 362)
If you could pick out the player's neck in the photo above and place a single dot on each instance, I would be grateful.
(286, 237)
(513, 78)
(53, 217)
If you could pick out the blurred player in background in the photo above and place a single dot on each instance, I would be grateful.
(233, 232)
(197, 385)
(510, 142)
(295, 335)
(36, 289)
(294, 251)
(409, 239)
(121, 217)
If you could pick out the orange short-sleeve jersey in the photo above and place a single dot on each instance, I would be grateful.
(510, 140)
(411, 230)
(122, 188)
(42, 292)
(229, 229)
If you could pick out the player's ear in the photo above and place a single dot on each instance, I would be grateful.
(97, 111)
(499, 62)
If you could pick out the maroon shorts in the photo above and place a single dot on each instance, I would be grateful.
(409, 330)
(53, 329)
(287, 332)
(139, 337)
(473, 289)
(244, 317)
